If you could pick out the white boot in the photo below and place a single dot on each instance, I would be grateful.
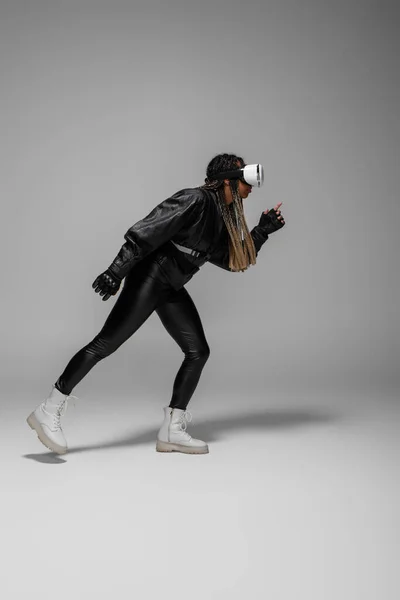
(45, 420)
(172, 435)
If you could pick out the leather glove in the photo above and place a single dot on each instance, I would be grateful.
(269, 221)
(107, 284)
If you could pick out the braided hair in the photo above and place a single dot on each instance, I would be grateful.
(242, 252)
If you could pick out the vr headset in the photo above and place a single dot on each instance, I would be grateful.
(250, 174)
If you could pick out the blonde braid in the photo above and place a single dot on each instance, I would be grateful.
(242, 252)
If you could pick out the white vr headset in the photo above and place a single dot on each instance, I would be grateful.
(251, 174)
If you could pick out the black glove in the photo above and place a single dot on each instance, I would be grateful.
(107, 284)
(269, 221)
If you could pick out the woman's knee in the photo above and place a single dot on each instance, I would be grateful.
(201, 353)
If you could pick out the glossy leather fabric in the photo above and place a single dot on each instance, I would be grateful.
(146, 289)
(192, 218)
(155, 273)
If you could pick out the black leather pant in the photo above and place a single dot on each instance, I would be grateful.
(146, 289)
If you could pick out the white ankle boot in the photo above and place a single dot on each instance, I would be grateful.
(45, 420)
(172, 435)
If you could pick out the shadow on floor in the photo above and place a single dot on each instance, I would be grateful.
(208, 430)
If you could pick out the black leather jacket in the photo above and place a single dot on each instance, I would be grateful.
(191, 218)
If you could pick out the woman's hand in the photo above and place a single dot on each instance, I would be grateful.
(278, 212)
(106, 284)
(271, 219)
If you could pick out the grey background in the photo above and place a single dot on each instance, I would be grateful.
(107, 108)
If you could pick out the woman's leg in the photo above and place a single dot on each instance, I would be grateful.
(142, 291)
(182, 321)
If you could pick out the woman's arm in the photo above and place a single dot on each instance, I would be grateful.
(160, 225)
(270, 221)
(220, 257)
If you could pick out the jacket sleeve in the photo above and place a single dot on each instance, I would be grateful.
(220, 257)
(160, 225)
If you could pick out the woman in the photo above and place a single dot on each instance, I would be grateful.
(161, 254)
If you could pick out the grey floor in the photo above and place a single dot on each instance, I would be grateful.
(298, 498)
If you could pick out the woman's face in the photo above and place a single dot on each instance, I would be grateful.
(244, 189)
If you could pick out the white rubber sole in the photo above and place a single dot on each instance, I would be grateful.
(46, 441)
(170, 447)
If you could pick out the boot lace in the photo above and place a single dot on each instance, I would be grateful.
(61, 410)
(186, 416)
